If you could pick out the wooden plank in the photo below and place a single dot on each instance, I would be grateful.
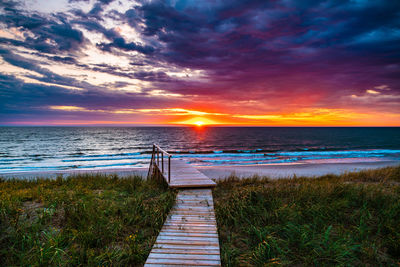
(180, 246)
(210, 239)
(197, 198)
(185, 262)
(186, 251)
(183, 242)
(192, 215)
(183, 256)
(188, 223)
(188, 216)
(191, 212)
(186, 219)
(189, 236)
(180, 208)
(193, 225)
(182, 222)
(185, 175)
(191, 230)
(186, 185)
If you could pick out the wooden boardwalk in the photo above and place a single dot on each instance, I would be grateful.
(189, 236)
(184, 175)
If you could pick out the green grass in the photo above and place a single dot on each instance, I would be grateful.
(347, 220)
(90, 220)
(103, 220)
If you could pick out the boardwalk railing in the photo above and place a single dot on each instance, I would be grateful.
(160, 164)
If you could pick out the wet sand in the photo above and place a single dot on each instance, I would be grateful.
(220, 172)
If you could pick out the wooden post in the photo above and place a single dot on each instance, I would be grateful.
(169, 169)
(158, 156)
(162, 162)
(151, 167)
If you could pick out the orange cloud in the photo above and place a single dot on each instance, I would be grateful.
(181, 116)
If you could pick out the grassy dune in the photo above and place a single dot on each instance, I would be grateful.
(352, 219)
(95, 220)
(90, 220)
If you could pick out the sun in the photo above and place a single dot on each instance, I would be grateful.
(199, 123)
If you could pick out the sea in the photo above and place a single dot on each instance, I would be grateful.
(27, 149)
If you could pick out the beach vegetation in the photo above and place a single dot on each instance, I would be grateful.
(104, 220)
(342, 220)
(82, 220)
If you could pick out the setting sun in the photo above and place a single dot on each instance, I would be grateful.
(199, 123)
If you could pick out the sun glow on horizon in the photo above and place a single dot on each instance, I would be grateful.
(199, 118)
(199, 123)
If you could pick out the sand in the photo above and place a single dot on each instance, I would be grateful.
(220, 172)
(289, 170)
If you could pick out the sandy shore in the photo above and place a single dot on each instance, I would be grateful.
(288, 170)
(220, 172)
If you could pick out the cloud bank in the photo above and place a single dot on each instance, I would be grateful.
(250, 62)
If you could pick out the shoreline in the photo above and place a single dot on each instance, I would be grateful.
(299, 169)
(220, 172)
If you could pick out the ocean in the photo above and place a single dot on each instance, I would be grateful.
(62, 148)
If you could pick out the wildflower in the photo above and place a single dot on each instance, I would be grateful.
(131, 237)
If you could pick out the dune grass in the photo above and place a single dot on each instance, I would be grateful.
(351, 219)
(103, 220)
(86, 220)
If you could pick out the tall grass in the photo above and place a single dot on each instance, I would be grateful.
(346, 220)
(90, 220)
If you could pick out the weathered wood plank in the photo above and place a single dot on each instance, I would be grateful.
(184, 242)
(183, 256)
(184, 175)
(209, 239)
(187, 262)
(191, 230)
(186, 251)
(176, 234)
(180, 246)
(189, 236)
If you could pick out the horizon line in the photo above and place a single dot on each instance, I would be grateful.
(199, 127)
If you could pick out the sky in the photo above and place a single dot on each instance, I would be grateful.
(217, 62)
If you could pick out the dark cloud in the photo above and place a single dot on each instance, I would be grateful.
(32, 65)
(22, 101)
(312, 47)
(117, 40)
(49, 35)
(122, 44)
(244, 50)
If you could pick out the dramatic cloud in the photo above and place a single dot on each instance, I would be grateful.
(235, 62)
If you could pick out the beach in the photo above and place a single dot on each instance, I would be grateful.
(220, 172)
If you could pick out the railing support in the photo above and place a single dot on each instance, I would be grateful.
(155, 168)
(162, 163)
(151, 166)
(169, 168)
(158, 156)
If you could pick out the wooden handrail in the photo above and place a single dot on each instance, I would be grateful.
(162, 150)
(155, 162)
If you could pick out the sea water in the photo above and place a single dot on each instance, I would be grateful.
(62, 148)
